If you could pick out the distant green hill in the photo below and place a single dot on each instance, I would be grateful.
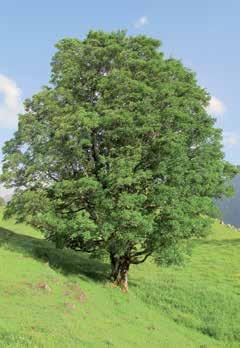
(59, 298)
(230, 207)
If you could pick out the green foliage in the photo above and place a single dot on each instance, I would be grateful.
(118, 153)
(2, 202)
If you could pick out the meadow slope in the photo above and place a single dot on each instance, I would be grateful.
(54, 298)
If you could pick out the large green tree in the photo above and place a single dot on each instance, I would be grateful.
(118, 153)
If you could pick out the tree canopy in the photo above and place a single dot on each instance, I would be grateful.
(118, 153)
(2, 201)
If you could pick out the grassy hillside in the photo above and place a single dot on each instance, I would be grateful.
(51, 298)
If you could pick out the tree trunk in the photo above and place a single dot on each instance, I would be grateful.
(119, 275)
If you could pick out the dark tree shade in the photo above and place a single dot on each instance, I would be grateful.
(118, 154)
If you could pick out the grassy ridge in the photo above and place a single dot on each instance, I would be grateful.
(51, 298)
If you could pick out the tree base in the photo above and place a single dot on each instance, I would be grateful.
(119, 275)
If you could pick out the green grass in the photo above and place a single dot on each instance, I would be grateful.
(54, 298)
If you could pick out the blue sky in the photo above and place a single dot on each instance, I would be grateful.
(203, 34)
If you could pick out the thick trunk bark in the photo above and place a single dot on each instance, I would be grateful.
(119, 275)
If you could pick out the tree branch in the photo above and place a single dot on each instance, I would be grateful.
(136, 262)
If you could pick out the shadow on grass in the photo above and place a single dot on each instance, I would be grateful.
(221, 243)
(65, 261)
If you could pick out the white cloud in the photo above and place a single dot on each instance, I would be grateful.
(10, 103)
(216, 107)
(231, 139)
(141, 22)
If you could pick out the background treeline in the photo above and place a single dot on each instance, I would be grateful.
(230, 207)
